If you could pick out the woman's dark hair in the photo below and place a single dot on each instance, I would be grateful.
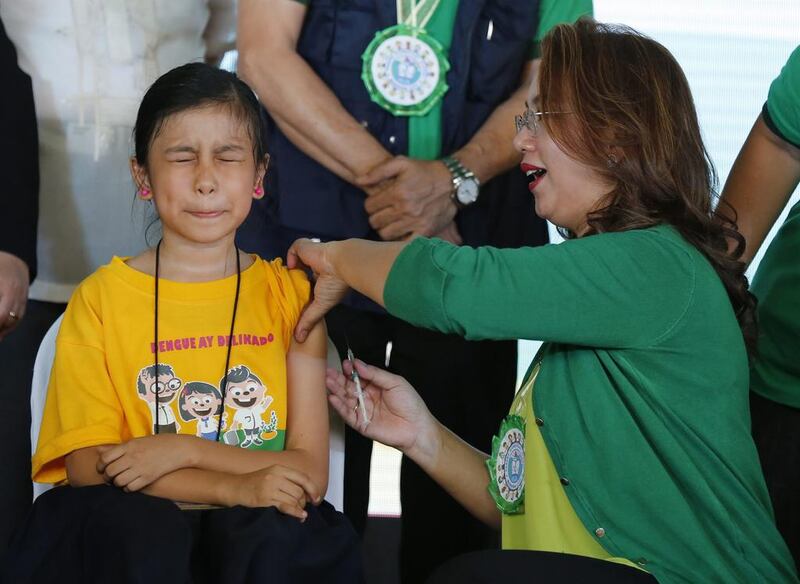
(637, 127)
(192, 86)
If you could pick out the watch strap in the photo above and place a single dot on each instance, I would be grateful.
(459, 174)
(458, 170)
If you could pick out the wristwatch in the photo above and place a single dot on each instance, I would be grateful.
(466, 185)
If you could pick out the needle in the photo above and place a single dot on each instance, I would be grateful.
(359, 392)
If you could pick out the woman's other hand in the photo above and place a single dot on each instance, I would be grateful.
(397, 415)
(329, 288)
(338, 266)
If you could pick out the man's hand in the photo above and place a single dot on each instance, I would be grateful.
(408, 197)
(450, 233)
(136, 463)
(14, 280)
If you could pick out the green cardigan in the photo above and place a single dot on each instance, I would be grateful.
(643, 389)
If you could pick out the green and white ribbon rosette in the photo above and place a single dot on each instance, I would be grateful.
(507, 466)
(403, 66)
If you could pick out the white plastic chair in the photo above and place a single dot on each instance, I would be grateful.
(41, 376)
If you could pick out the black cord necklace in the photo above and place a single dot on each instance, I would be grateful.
(224, 387)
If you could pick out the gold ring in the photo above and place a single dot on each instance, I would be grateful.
(12, 316)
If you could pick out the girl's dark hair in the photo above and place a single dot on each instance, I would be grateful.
(192, 86)
(637, 127)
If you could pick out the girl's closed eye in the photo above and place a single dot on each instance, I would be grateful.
(232, 153)
(181, 157)
(180, 154)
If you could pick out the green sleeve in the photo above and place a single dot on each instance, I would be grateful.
(613, 290)
(783, 102)
(553, 12)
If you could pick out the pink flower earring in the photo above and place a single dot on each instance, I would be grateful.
(144, 193)
(259, 192)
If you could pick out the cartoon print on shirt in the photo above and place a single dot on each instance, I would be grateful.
(246, 394)
(201, 401)
(167, 386)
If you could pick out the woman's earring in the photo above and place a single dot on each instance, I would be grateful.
(259, 192)
(611, 160)
(144, 193)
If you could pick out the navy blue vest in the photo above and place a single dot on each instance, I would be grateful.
(303, 198)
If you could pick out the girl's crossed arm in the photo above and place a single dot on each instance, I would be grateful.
(275, 486)
(307, 425)
(149, 463)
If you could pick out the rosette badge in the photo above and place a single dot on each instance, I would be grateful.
(404, 70)
(507, 466)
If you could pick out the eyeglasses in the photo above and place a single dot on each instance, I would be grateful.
(531, 120)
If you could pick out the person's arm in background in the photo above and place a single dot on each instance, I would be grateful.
(305, 109)
(19, 157)
(415, 198)
(764, 176)
(220, 32)
(418, 201)
(767, 170)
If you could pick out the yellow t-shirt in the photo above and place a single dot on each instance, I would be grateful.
(548, 522)
(102, 386)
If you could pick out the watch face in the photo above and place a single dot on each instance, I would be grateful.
(467, 192)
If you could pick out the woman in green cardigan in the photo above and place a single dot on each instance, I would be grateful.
(627, 452)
